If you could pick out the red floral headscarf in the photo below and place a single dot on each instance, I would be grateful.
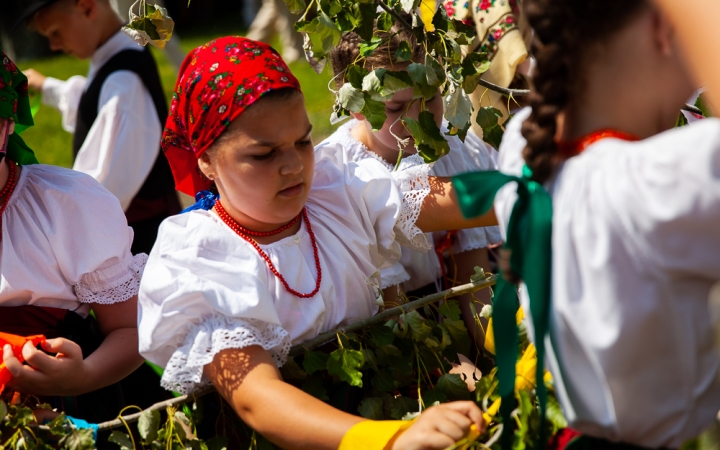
(217, 82)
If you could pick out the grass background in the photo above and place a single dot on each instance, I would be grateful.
(53, 145)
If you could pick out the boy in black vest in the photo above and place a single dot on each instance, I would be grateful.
(116, 114)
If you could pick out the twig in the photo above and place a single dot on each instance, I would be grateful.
(392, 312)
(692, 109)
(395, 15)
(502, 90)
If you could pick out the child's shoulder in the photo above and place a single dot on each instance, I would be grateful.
(346, 146)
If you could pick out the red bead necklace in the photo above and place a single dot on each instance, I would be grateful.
(8, 190)
(574, 148)
(245, 234)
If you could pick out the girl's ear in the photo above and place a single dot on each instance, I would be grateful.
(358, 116)
(664, 34)
(206, 165)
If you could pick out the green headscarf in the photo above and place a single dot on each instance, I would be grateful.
(15, 106)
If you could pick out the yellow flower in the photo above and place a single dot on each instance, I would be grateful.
(490, 337)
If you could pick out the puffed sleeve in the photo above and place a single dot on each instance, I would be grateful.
(198, 298)
(86, 231)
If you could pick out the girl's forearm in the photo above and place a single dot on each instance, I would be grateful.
(696, 24)
(116, 358)
(440, 210)
(285, 415)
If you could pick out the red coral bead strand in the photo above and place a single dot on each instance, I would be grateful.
(245, 234)
(8, 190)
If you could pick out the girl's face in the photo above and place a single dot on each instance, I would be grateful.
(401, 105)
(263, 164)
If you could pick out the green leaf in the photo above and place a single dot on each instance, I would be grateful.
(315, 387)
(429, 141)
(493, 136)
(704, 106)
(3, 410)
(371, 408)
(383, 381)
(323, 33)
(401, 406)
(440, 20)
(555, 414)
(403, 52)
(370, 361)
(374, 112)
(146, 26)
(393, 82)
(450, 309)
(345, 364)
(217, 443)
(387, 354)
(488, 117)
(459, 335)
(434, 396)
(366, 14)
(82, 440)
(385, 22)
(458, 107)
(295, 6)
(355, 75)
(20, 416)
(315, 361)
(330, 7)
(292, 371)
(419, 328)
(434, 72)
(373, 83)
(58, 425)
(148, 425)
(350, 98)
(453, 386)
(381, 335)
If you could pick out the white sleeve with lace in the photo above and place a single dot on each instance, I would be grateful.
(184, 372)
(414, 185)
(114, 284)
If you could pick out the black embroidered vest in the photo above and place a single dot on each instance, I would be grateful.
(157, 195)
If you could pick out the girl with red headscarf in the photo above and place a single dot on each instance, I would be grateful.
(291, 249)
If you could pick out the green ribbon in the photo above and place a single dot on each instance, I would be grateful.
(15, 106)
(529, 240)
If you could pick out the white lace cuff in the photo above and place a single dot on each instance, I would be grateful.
(394, 275)
(475, 238)
(114, 284)
(184, 371)
(414, 185)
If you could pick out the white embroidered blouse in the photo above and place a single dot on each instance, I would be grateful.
(636, 249)
(417, 269)
(65, 243)
(205, 289)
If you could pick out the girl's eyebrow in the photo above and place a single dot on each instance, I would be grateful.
(273, 144)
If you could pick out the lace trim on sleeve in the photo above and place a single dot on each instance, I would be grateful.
(414, 186)
(475, 238)
(393, 275)
(184, 372)
(114, 284)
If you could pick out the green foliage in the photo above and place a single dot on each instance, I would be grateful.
(445, 70)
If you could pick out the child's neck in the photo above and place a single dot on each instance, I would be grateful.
(4, 173)
(110, 24)
(254, 225)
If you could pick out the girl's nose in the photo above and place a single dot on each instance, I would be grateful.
(292, 162)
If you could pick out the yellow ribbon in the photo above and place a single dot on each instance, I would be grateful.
(374, 434)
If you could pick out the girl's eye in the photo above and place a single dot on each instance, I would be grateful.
(305, 143)
(264, 156)
(394, 109)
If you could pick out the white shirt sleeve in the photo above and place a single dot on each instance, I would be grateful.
(123, 143)
(65, 97)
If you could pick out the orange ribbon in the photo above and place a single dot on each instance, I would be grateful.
(17, 343)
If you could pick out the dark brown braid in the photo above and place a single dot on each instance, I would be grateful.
(347, 51)
(565, 33)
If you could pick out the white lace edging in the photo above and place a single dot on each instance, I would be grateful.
(476, 238)
(414, 186)
(184, 372)
(394, 275)
(114, 284)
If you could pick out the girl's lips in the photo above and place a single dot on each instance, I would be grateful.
(292, 191)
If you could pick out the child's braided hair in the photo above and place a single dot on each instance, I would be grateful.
(565, 32)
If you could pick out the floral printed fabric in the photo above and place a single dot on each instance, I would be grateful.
(15, 106)
(217, 82)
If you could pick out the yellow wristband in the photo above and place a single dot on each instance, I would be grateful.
(374, 435)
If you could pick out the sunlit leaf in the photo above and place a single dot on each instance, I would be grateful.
(385, 21)
(350, 98)
(345, 364)
(419, 328)
(450, 309)
(295, 6)
(148, 425)
(83, 440)
(458, 107)
(403, 52)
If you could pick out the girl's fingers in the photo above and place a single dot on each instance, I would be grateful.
(453, 425)
(13, 365)
(469, 410)
(63, 346)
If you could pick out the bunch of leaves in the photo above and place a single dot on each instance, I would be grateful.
(446, 69)
(177, 431)
(152, 25)
(18, 430)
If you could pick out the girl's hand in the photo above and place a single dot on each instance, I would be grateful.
(62, 374)
(441, 426)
